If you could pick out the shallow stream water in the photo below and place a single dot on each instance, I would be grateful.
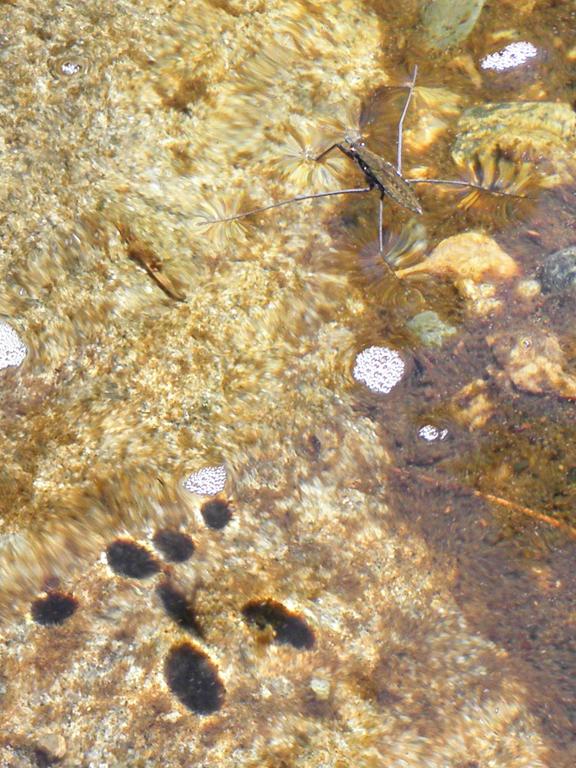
(270, 496)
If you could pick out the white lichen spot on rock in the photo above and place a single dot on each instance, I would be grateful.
(379, 368)
(12, 348)
(511, 56)
(207, 481)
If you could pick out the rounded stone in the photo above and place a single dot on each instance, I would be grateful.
(558, 272)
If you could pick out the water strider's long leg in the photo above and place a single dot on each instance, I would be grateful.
(470, 184)
(380, 223)
(401, 121)
(456, 182)
(297, 199)
(337, 145)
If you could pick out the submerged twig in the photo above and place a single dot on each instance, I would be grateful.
(511, 505)
(142, 254)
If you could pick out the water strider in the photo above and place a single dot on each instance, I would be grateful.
(378, 173)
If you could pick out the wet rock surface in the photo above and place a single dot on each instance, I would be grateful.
(543, 132)
(203, 558)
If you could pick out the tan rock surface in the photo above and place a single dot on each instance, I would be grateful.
(533, 361)
(471, 256)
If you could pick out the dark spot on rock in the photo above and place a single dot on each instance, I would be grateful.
(314, 446)
(182, 158)
(175, 546)
(314, 443)
(216, 513)
(43, 759)
(178, 607)
(287, 627)
(193, 679)
(183, 93)
(320, 709)
(53, 609)
(127, 558)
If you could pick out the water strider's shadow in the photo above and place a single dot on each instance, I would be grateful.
(522, 604)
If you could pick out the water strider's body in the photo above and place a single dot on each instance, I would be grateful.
(379, 174)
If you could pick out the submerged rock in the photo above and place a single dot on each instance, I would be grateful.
(50, 748)
(429, 327)
(545, 132)
(476, 263)
(469, 256)
(481, 298)
(447, 23)
(472, 405)
(558, 272)
(532, 361)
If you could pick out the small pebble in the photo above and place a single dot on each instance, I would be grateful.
(430, 328)
(528, 289)
(171, 717)
(321, 687)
